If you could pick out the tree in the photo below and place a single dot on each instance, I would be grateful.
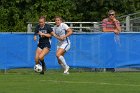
(15, 13)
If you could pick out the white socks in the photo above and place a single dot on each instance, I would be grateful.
(62, 65)
(63, 61)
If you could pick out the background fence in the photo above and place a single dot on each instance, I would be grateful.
(129, 23)
(94, 50)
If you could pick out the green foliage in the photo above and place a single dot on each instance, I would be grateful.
(15, 13)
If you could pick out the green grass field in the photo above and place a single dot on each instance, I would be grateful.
(26, 81)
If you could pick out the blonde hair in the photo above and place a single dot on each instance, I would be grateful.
(111, 11)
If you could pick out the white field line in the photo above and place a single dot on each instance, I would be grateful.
(99, 83)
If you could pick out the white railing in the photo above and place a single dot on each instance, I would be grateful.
(77, 26)
(127, 23)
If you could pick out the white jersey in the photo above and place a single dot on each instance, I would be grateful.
(61, 31)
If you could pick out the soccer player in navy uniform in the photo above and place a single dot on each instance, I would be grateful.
(44, 31)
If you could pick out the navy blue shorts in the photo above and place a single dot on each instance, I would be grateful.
(44, 45)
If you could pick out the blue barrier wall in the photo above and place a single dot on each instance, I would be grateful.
(97, 50)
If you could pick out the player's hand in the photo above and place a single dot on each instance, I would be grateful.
(41, 34)
(59, 38)
(35, 38)
(62, 38)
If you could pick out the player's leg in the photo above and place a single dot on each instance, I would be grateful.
(41, 58)
(38, 51)
(61, 50)
(60, 56)
(60, 62)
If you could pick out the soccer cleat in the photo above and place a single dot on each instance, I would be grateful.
(44, 67)
(43, 70)
(42, 73)
(66, 73)
(66, 70)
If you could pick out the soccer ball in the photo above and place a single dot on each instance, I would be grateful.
(37, 68)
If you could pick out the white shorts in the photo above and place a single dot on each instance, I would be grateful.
(65, 46)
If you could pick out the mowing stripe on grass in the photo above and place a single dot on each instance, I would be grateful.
(99, 83)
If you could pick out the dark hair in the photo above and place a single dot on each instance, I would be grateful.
(59, 18)
(43, 17)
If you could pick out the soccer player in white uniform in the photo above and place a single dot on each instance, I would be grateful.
(63, 32)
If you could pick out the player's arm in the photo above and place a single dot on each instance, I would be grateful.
(44, 35)
(35, 37)
(56, 36)
(49, 29)
(69, 32)
(35, 33)
(47, 35)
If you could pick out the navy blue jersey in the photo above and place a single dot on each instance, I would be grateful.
(47, 29)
